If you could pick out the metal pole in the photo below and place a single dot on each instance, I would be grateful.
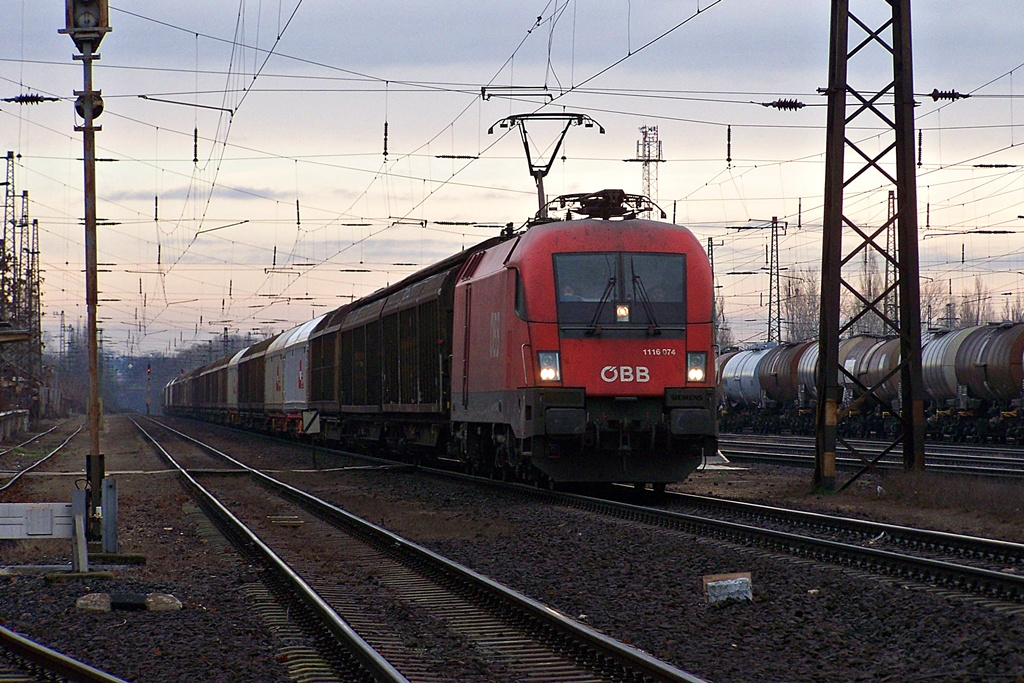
(94, 464)
(831, 255)
(912, 379)
(541, 199)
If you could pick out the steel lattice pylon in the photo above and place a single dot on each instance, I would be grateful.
(7, 243)
(774, 287)
(878, 172)
(649, 153)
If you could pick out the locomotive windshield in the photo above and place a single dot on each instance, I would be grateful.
(621, 293)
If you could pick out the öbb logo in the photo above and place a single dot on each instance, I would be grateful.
(625, 373)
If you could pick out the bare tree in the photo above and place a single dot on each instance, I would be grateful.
(723, 334)
(933, 303)
(975, 306)
(801, 303)
(871, 282)
(1013, 311)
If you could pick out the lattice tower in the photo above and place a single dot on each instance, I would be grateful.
(7, 242)
(648, 152)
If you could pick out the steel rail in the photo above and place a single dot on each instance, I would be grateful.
(989, 582)
(973, 579)
(988, 465)
(34, 438)
(39, 462)
(632, 660)
(1004, 551)
(375, 665)
(30, 655)
(970, 578)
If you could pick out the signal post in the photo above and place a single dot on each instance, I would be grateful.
(87, 23)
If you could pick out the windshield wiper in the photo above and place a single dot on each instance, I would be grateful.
(640, 292)
(594, 328)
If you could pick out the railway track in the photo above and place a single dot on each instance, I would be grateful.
(14, 474)
(988, 568)
(985, 553)
(24, 661)
(526, 638)
(796, 451)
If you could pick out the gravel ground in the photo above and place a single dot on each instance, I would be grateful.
(806, 622)
(214, 637)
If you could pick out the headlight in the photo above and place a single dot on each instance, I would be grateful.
(622, 313)
(550, 367)
(696, 365)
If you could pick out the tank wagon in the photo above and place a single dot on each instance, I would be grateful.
(575, 350)
(973, 380)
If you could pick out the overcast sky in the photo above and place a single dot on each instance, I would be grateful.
(223, 117)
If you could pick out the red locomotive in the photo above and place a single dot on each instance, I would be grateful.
(578, 350)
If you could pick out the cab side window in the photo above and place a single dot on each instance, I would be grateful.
(520, 296)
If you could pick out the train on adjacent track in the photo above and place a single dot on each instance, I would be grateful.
(973, 381)
(574, 350)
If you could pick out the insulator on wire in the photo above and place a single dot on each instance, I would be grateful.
(785, 105)
(947, 95)
(30, 98)
(728, 146)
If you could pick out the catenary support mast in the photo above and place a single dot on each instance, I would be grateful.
(893, 166)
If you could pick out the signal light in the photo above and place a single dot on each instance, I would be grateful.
(696, 365)
(87, 15)
(550, 366)
(86, 22)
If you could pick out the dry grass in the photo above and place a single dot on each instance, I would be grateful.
(966, 505)
(968, 494)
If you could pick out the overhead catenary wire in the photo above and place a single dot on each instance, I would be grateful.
(311, 225)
